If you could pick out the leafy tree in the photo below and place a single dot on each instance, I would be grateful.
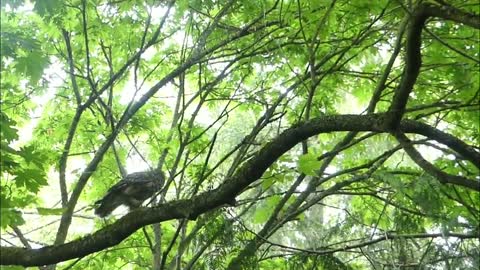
(293, 134)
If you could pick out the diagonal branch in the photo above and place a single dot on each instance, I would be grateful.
(465, 150)
(428, 167)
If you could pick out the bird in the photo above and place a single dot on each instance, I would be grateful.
(131, 191)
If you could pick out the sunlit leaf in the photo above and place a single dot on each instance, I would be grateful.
(308, 164)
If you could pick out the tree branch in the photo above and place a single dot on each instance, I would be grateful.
(413, 59)
(465, 150)
(428, 167)
(389, 236)
(252, 170)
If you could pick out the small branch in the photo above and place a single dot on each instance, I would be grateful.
(388, 236)
(21, 237)
(443, 177)
(73, 125)
(377, 94)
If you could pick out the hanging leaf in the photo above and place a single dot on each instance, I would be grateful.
(308, 164)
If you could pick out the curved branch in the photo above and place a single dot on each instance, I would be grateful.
(428, 167)
(413, 60)
(454, 143)
(252, 170)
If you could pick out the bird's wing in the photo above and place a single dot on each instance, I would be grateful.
(132, 190)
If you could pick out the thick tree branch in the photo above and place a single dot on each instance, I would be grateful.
(225, 194)
(413, 60)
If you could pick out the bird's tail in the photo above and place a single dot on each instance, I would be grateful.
(106, 205)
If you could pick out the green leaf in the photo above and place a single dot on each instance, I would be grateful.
(33, 156)
(265, 210)
(10, 217)
(47, 7)
(267, 183)
(50, 211)
(31, 179)
(32, 65)
(7, 132)
(13, 268)
(308, 164)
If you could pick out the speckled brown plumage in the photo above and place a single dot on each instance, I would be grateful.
(131, 191)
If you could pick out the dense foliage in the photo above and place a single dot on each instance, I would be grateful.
(293, 134)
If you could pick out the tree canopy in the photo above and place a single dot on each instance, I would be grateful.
(292, 134)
